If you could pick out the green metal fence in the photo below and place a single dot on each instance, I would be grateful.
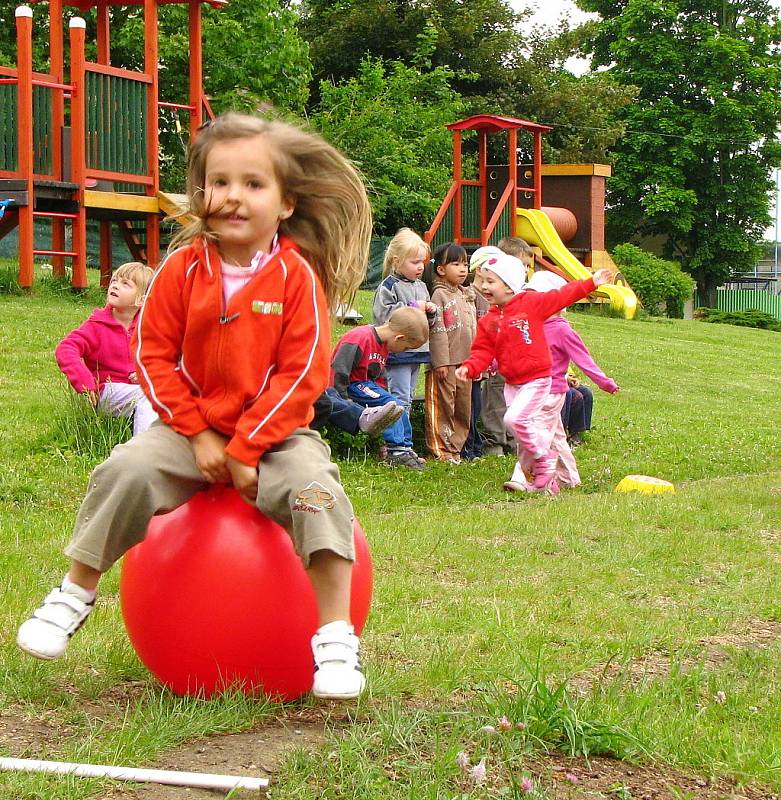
(745, 299)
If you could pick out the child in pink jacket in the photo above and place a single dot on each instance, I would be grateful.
(95, 357)
(565, 347)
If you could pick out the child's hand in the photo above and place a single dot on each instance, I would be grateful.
(245, 479)
(441, 373)
(430, 308)
(462, 374)
(210, 457)
(602, 276)
(133, 378)
(573, 381)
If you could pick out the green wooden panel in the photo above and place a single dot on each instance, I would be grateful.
(43, 135)
(445, 232)
(503, 226)
(116, 124)
(746, 300)
(8, 132)
(470, 212)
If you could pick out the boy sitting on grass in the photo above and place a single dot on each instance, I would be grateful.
(358, 373)
(96, 358)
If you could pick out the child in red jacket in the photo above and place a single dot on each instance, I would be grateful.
(95, 357)
(232, 348)
(512, 333)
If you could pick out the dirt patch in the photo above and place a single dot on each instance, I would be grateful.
(257, 753)
(573, 779)
(712, 653)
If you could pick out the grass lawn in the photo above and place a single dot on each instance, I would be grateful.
(599, 645)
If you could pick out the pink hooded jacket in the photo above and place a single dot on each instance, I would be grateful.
(96, 352)
(565, 346)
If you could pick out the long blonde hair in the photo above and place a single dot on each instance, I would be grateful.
(332, 219)
(401, 247)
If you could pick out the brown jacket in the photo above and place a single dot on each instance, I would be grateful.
(454, 331)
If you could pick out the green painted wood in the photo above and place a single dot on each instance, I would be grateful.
(116, 124)
(470, 212)
(43, 143)
(8, 131)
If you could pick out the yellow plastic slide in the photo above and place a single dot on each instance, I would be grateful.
(536, 228)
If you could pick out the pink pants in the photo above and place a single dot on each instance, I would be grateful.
(548, 423)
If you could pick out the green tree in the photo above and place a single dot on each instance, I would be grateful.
(478, 41)
(702, 133)
(390, 119)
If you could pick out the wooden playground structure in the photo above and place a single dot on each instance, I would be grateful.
(80, 141)
(507, 200)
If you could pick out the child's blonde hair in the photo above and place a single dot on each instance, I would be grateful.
(515, 246)
(411, 323)
(400, 248)
(332, 219)
(139, 273)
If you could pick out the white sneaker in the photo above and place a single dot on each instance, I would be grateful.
(375, 419)
(47, 633)
(338, 673)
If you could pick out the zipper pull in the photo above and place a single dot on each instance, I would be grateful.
(225, 319)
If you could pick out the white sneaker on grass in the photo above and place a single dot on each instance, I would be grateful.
(375, 419)
(338, 673)
(47, 633)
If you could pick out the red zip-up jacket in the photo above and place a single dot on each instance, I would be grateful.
(251, 370)
(514, 336)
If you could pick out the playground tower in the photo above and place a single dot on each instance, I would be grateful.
(507, 200)
(80, 140)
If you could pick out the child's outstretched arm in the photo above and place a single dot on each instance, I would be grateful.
(579, 354)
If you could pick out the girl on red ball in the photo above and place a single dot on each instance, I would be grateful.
(232, 349)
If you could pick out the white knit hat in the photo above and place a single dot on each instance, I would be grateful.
(545, 281)
(481, 255)
(509, 268)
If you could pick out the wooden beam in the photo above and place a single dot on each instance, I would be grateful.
(602, 170)
(121, 202)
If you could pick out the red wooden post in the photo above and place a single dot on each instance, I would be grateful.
(457, 176)
(537, 169)
(104, 34)
(57, 70)
(196, 67)
(78, 155)
(512, 174)
(24, 95)
(483, 178)
(150, 67)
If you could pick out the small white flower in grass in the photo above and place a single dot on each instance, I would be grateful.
(462, 759)
(720, 697)
(504, 724)
(527, 784)
(753, 709)
(489, 729)
(478, 772)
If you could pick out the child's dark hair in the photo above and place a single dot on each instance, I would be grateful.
(448, 253)
(444, 254)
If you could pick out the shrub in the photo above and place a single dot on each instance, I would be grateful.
(750, 318)
(661, 285)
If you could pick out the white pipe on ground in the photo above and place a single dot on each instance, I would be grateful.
(194, 780)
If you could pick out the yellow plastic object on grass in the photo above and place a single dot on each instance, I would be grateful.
(645, 484)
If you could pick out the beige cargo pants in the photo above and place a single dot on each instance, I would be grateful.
(155, 472)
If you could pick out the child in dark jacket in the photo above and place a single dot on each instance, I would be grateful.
(512, 333)
(448, 401)
(358, 373)
(96, 358)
